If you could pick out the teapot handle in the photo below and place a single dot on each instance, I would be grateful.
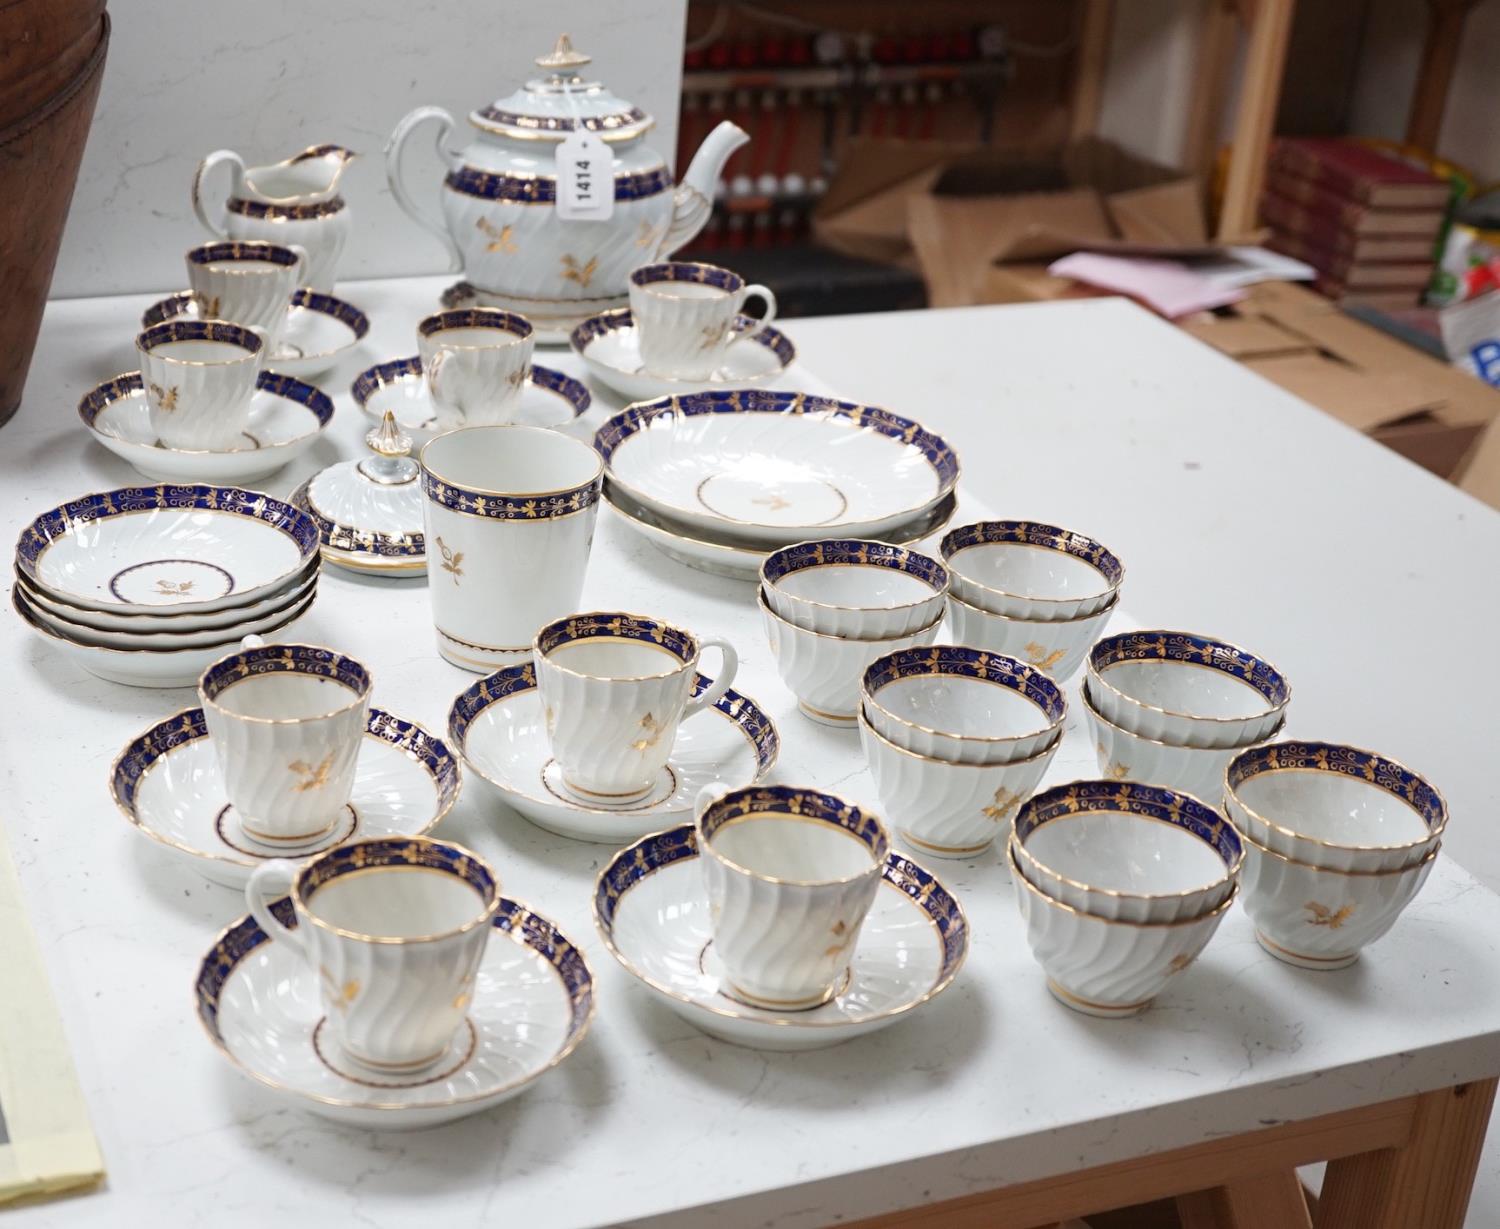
(393, 148)
(217, 226)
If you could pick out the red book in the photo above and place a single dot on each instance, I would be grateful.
(1335, 265)
(1288, 218)
(1360, 173)
(1351, 215)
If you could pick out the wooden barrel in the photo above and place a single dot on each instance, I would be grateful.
(51, 63)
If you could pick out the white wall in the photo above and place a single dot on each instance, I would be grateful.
(269, 78)
(1149, 76)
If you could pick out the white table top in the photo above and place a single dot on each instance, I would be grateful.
(1095, 415)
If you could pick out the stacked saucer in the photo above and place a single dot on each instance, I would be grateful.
(1031, 591)
(721, 479)
(148, 585)
(1121, 886)
(1173, 708)
(957, 739)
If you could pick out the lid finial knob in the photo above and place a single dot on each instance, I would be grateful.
(562, 56)
(390, 466)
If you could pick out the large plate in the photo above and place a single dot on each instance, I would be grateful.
(776, 467)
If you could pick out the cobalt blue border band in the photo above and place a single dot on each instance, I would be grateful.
(1192, 650)
(1034, 533)
(199, 330)
(662, 849)
(777, 342)
(1353, 762)
(561, 123)
(854, 552)
(290, 213)
(542, 189)
(60, 521)
(744, 712)
(614, 624)
(1132, 798)
(636, 418)
(306, 659)
(179, 304)
(141, 755)
(511, 507)
(370, 381)
(800, 801)
(962, 662)
(525, 926)
(687, 271)
(242, 249)
(476, 318)
(396, 852)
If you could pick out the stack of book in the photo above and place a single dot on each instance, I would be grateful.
(1369, 223)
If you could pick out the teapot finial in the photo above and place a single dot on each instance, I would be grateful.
(563, 55)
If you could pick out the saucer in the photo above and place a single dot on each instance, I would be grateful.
(773, 467)
(553, 319)
(610, 347)
(286, 416)
(319, 331)
(168, 784)
(652, 910)
(496, 727)
(140, 550)
(146, 667)
(722, 555)
(533, 1002)
(548, 399)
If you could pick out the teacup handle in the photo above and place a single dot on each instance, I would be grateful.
(764, 294)
(721, 684)
(281, 871)
(707, 796)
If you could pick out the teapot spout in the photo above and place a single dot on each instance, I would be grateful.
(693, 199)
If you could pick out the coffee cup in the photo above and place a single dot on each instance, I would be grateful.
(199, 376)
(246, 282)
(395, 928)
(791, 874)
(475, 362)
(614, 688)
(286, 722)
(687, 314)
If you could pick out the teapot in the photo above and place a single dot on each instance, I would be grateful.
(499, 218)
(292, 201)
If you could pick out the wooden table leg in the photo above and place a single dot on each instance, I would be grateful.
(1425, 1183)
(1269, 1201)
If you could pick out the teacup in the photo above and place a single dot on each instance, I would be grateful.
(199, 376)
(509, 515)
(687, 314)
(395, 928)
(249, 283)
(614, 688)
(286, 722)
(475, 362)
(791, 874)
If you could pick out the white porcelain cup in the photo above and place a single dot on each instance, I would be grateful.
(246, 282)
(475, 362)
(509, 515)
(199, 376)
(286, 722)
(791, 873)
(395, 928)
(686, 316)
(614, 688)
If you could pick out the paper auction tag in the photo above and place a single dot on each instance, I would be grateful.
(585, 178)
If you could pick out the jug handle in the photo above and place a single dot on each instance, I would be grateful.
(393, 148)
(219, 226)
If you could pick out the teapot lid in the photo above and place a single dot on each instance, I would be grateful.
(549, 108)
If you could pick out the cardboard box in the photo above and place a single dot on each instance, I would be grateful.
(961, 212)
(1421, 407)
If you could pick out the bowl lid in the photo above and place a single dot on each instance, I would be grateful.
(549, 108)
